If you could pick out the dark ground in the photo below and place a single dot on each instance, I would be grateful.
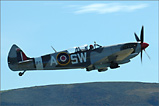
(84, 94)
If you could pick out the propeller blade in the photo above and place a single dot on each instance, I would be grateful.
(142, 34)
(141, 56)
(137, 38)
(147, 54)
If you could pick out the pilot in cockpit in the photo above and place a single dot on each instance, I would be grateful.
(90, 47)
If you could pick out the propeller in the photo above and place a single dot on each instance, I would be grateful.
(137, 38)
(142, 43)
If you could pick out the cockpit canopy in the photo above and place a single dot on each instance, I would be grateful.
(83, 48)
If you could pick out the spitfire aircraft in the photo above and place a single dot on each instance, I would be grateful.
(91, 57)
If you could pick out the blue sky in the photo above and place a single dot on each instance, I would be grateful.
(36, 26)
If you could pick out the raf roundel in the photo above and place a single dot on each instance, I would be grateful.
(63, 58)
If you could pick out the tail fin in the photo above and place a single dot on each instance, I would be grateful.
(15, 56)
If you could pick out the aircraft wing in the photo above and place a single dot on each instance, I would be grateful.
(118, 56)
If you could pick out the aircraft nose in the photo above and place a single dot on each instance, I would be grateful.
(144, 45)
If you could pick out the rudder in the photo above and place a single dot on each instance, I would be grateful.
(15, 56)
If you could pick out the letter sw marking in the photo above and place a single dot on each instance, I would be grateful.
(79, 56)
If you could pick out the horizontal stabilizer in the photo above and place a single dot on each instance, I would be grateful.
(25, 61)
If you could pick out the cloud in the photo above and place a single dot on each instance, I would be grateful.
(103, 8)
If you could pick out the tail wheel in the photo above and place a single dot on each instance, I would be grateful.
(21, 73)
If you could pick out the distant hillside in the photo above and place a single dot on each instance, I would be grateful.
(86, 94)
